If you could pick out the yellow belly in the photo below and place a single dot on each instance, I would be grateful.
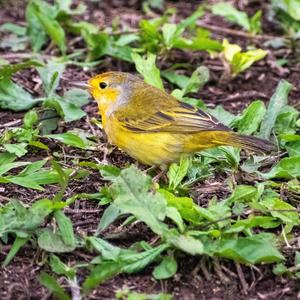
(160, 148)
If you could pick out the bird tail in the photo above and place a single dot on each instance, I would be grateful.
(251, 143)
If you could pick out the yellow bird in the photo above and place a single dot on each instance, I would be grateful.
(154, 127)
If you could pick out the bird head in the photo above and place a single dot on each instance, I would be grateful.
(107, 87)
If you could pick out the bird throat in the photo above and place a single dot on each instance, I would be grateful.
(107, 103)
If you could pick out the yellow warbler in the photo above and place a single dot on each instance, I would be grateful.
(153, 126)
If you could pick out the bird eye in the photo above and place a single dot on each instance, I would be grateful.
(102, 85)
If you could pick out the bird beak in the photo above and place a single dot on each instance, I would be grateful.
(80, 84)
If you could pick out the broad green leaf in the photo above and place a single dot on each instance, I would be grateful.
(65, 228)
(17, 245)
(108, 217)
(6, 158)
(24, 181)
(255, 23)
(240, 61)
(286, 121)
(173, 214)
(178, 79)
(17, 149)
(277, 102)
(7, 165)
(35, 31)
(100, 274)
(14, 28)
(60, 268)
(169, 32)
(198, 79)
(147, 68)
(30, 119)
(292, 143)
(166, 269)
(131, 193)
(50, 75)
(51, 27)
(252, 222)
(249, 122)
(244, 193)
(69, 138)
(118, 260)
(15, 98)
(53, 286)
(228, 11)
(281, 210)
(7, 70)
(177, 172)
(186, 206)
(258, 248)
(291, 7)
(69, 111)
(288, 167)
(15, 218)
(53, 242)
(222, 115)
(198, 44)
(185, 243)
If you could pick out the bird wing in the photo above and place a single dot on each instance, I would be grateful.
(166, 114)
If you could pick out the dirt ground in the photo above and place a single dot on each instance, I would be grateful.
(197, 277)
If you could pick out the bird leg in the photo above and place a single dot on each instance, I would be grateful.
(162, 174)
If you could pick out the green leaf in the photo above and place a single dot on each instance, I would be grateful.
(108, 217)
(17, 149)
(51, 27)
(30, 119)
(60, 268)
(50, 75)
(186, 206)
(53, 286)
(286, 121)
(258, 248)
(100, 274)
(169, 32)
(7, 165)
(15, 218)
(288, 167)
(178, 79)
(198, 44)
(177, 172)
(65, 228)
(7, 70)
(249, 122)
(69, 138)
(173, 214)
(240, 61)
(53, 242)
(185, 243)
(277, 102)
(14, 28)
(222, 115)
(166, 269)
(15, 98)
(131, 193)
(228, 11)
(281, 210)
(198, 79)
(117, 260)
(37, 35)
(244, 193)
(17, 245)
(147, 68)
(255, 23)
